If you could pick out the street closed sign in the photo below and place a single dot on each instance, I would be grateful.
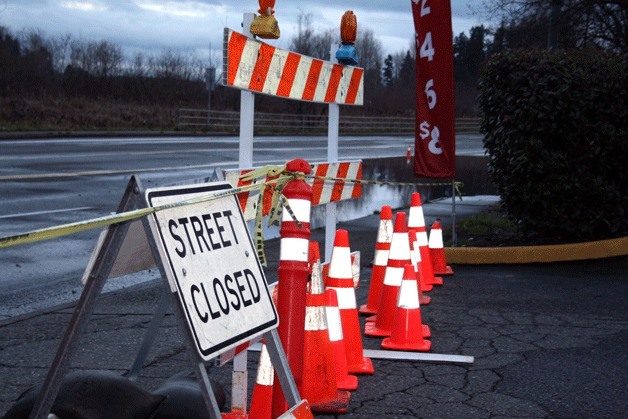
(211, 264)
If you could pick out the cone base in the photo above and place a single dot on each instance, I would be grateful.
(364, 367)
(426, 332)
(236, 415)
(425, 300)
(447, 271)
(371, 329)
(437, 281)
(340, 405)
(427, 288)
(261, 404)
(367, 310)
(371, 319)
(350, 382)
(420, 346)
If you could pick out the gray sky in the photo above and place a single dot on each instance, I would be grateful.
(195, 24)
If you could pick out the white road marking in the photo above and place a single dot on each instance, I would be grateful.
(28, 214)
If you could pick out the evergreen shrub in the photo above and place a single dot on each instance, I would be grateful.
(555, 126)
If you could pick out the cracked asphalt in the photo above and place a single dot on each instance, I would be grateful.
(549, 340)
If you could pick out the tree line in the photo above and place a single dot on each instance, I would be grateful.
(37, 66)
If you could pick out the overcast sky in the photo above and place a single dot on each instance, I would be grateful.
(195, 24)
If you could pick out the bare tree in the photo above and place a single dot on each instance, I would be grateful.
(369, 49)
(106, 58)
(576, 23)
(80, 57)
(59, 48)
(307, 42)
(171, 63)
(137, 65)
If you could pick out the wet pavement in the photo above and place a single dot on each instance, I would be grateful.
(549, 340)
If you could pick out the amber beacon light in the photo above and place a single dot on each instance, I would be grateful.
(346, 53)
(265, 25)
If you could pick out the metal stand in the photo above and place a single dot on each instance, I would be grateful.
(97, 276)
(333, 128)
(454, 238)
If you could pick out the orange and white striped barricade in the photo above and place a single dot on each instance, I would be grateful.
(323, 191)
(261, 68)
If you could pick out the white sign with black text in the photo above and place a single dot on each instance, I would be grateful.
(211, 264)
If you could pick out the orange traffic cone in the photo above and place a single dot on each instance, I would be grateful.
(398, 257)
(261, 401)
(425, 263)
(382, 246)
(408, 155)
(415, 257)
(341, 279)
(316, 284)
(437, 251)
(318, 382)
(416, 221)
(344, 381)
(407, 333)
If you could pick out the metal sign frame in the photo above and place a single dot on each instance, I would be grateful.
(98, 272)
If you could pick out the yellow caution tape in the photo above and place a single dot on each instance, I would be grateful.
(72, 228)
(279, 202)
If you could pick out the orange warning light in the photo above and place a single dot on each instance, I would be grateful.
(348, 27)
(266, 7)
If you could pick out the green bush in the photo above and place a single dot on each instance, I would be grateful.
(555, 126)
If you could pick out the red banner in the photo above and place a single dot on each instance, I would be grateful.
(435, 141)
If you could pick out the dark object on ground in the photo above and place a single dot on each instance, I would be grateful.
(92, 395)
(183, 399)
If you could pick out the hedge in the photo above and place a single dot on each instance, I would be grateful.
(555, 126)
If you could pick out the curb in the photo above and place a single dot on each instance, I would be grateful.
(538, 254)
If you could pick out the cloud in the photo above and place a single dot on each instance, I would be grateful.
(195, 24)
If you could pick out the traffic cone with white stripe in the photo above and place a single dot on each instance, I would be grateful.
(341, 279)
(382, 247)
(261, 401)
(425, 263)
(437, 251)
(344, 381)
(407, 333)
(318, 382)
(408, 155)
(416, 220)
(316, 284)
(415, 257)
(398, 257)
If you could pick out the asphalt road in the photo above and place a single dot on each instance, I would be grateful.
(51, 182)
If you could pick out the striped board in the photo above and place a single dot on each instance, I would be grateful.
(323, 191)
(252, 65)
